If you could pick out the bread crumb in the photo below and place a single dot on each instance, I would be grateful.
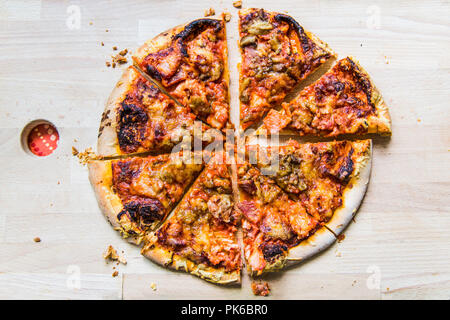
(237, 4)
(111, 254)
(341, 238)
(102, 44)
(118, 58)
(37, 239)
(338, 253)
(85, 156)
(91, 23)
(122, 260)
(209, 12)
(153, 286)
(260, 288)
(115, 273)
(226, 16)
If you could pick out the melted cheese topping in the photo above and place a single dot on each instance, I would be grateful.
(150, 187)
(301, 194)
(338, 103)
(271, 221)
(193, 71)
(203, 227)
(149, 120)
(275, 57)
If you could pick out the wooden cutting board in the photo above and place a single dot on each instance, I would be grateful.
(54, 69)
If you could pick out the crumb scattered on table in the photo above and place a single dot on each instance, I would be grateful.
(227, 16)
(119, 58)
(341, 237)
(209, 12)
(237, 4)
(85, 156)
(260, 288)
(338, 253)
(115, 273)
(153, 286)
(37, 239)
(111, 254)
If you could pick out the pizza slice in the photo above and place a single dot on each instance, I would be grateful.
(295, 195)
(343, 101)
(136, 194)
(328, 178)
(191, 63)
(277, 54)
(139, 117)
(277, 231)
(200, 236)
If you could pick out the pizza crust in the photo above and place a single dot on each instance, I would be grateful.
(160, 42)
(352, 197)
(317, 242)
(168, 259)
(100, 176)
(108, 144)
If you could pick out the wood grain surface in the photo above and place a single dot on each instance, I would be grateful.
(399, 245)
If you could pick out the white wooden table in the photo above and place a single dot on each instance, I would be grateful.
(50, 69)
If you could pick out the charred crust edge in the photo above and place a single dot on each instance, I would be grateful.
(285, 18)
(363, 80)
(197, 26)
(296, 26)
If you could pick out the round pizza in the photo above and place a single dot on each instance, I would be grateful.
(168, 181)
